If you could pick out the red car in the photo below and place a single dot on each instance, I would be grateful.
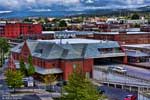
(130, 97)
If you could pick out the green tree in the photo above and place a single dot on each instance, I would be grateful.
(14, 78)
(41, 20)
(27, 20)
(135, 16)
(23, 67)
(55, 20)
(137, 25)
(31, 69)
(80, 88)
(148, 20)
(62, 23)
(4, 49)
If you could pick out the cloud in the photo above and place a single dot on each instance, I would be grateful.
(50, 4)
(21, 4)
(130, 2)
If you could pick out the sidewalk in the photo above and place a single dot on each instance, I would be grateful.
(45, 95)
(42, 94)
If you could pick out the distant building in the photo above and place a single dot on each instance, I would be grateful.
(73, 34)
(112, 21)
(139, 21)
(61, 56)
(145, 28)
(15, 30)
(46, 35)
(125, 37)
(138, 54)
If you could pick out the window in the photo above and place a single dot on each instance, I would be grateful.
(39, 51)
(53, 65)
(43, 63)
(106, 50)
(87, 74)
(75, 66)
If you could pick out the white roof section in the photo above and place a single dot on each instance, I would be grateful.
(45, 71)
(138, 32)
(138, 45)
(112, 33)
(76, 41)
(68, 32)
(136, 53)
(133, 30)
(128, 32)
(48, 32)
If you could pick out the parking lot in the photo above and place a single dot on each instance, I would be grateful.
(133, 74)
(132, 71)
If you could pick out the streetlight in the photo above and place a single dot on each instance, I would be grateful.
(61, 86)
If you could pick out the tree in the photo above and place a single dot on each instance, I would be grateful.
(149, 20)
(135, 16)
(23, 67)
(80, 88)
(14, 78)
(28, 20)
(137, 25)
(49, 79)
(31, 69)
(4, 48)
(62, 23)
(41, 20)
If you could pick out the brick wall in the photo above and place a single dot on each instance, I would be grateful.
(14, 30)
(66, 65)
(125, 38)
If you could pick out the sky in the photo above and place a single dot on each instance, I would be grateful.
(68, 4)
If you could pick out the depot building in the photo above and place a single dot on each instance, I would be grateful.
(61, 56)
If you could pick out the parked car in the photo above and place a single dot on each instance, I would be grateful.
(110, 68)
(119, 69)
(130, 97)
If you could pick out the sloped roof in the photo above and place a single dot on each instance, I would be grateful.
(76, 49)
(135, 53)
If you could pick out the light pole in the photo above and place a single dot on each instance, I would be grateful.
(61, 86)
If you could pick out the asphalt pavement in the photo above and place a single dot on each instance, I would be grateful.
(116, 94)
(30, 97)
(138, 72)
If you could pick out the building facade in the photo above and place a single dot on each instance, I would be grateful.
(125, 37)
(61, 57)
(15, 30)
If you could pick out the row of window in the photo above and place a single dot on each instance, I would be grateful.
(36, 61)
(110, 50)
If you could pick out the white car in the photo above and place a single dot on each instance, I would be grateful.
(119, 69)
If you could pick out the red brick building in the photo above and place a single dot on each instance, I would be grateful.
(145, 28)
(96, 26)
(125, 37)
(60, 57)
(15, 30)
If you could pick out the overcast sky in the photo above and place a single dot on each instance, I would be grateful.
(76, 4)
